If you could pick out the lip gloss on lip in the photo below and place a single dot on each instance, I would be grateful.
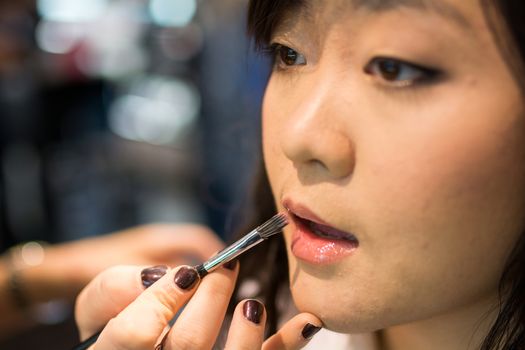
(315, 248)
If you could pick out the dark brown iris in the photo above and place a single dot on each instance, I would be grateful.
(389, 69)
(288, 55)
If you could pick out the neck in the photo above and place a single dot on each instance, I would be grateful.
(462, 329)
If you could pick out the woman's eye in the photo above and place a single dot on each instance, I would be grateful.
(286, 56)
(398, 73)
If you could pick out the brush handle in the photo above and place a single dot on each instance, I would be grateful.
(88, 342)
(231, 252)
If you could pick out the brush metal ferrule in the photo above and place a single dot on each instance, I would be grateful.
(233, 250)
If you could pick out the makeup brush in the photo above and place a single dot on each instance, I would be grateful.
(263, 232)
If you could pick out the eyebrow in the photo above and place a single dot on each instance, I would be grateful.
(440, 7)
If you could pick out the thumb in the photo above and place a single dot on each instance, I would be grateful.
(105, 296)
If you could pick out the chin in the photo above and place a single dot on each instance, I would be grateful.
(341, 310)
(337, 318)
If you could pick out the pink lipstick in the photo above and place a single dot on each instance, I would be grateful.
(315, 241)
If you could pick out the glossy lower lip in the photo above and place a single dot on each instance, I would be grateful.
(315, 249)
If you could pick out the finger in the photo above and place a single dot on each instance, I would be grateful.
(142, 322)
(247, 326)
(295, 333)
(199, 324)
(105, 296)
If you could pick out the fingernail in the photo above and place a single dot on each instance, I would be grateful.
(309, 331)
(230, 265)
(186, 277)
(152, 274)
(253, 310)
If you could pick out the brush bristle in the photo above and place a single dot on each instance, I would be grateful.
(273, 225)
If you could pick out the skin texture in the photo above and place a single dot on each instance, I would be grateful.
(428, 174)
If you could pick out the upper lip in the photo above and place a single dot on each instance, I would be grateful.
(303, 212)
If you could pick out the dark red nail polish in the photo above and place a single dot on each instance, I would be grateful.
(230, 265)
(186, 277)
(309, 331)
(152, 274)
(253, 310)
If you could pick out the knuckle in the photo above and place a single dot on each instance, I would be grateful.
(162, 312)
(163, 303)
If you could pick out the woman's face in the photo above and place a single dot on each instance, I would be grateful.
(397, 126)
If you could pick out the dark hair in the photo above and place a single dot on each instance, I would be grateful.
(508, 330)
(270, 255)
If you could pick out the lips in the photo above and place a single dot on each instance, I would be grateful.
(315, 241)
(327, 232)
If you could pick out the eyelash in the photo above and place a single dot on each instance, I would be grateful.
(276, 51)
(384, 69)
(388, 70)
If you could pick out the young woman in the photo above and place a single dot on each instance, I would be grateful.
(394, 135)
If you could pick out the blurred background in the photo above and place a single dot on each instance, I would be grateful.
(115, 113)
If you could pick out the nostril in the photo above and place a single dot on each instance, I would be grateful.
(334, 157)
(336, 169)
(317, 163)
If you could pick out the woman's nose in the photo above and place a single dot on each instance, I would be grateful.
(317, 136)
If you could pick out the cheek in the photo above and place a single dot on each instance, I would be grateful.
(442, 206)
(459, 178)
(434, 217)
(272, 130)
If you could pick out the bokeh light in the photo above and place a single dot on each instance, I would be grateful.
(71, 10)
(157, 111)
(176, 13)
(58, 37)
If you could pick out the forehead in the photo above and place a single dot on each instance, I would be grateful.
(443, 8)
(456, 11)
(452, 20)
